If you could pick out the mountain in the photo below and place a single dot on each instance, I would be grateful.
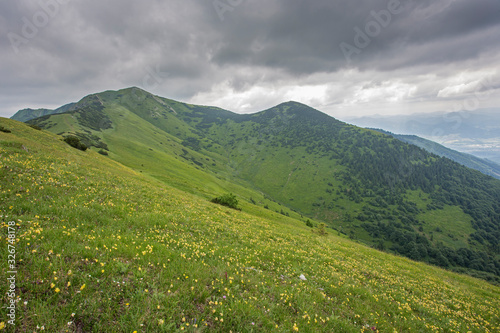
(487, 167)
(300, 162)
(28, 114)
(102, 247)
(475, 132)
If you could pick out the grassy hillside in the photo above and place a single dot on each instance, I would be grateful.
(101, 247)
(125, 137)
(299, 161)
(369, 186)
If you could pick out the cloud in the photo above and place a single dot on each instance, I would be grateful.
(249, 55)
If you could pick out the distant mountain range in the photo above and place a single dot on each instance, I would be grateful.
(370, 186)
(485, 166)
(474, 132)
(28, 114)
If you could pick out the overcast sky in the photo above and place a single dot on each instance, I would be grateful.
(346, 58)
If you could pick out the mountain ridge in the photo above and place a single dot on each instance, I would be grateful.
(475, 132)
(364, 184)
(28, 114)
(487, 167)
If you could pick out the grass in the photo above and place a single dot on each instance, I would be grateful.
(142, 146)
(452, 230)
(100, 247)
(207, 152)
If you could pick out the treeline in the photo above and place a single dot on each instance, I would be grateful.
(383, 165)
(404, 167)
(414, 245)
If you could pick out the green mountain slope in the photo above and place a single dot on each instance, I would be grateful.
(364, 184)
(28, 114)
(125, 137)
(485, 166)
(100, 247)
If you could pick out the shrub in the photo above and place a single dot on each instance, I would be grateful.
(91, 140)
(309, 223)
(5, 130)
(228, 200)
(103, 152)
(38, 128)
(74, 142)
(322, 229)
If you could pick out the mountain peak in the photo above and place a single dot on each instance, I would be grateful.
(300, 112)
(293, 103)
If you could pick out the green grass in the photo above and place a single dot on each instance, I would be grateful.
(448, 226)
(103, 248)
(294, 159)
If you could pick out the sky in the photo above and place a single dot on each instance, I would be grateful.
(346, 58)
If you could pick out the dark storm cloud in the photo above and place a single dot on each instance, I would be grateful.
(56, 51)
(459, 18)
(305, 36)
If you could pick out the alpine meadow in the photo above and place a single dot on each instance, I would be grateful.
(130, 212)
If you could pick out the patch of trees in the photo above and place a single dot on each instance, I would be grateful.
(228, 200)
(192, 143)
(412, 244)
(208, 116)
(35, 127)
(91, 116)
(91, 140)
(390, 168)
(75, 142)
